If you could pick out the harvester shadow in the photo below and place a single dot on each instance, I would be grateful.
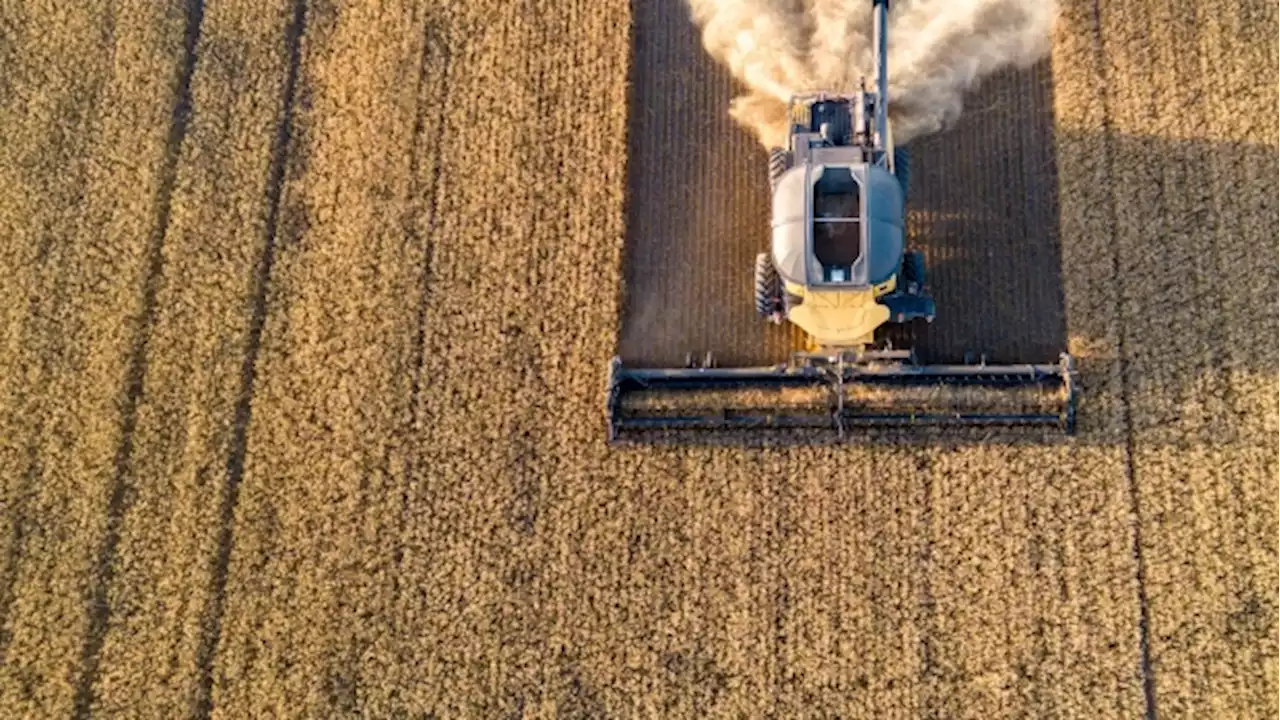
(1175, 301)
(983, 207)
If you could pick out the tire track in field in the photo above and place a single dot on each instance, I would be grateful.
(195, 353)
(17, 543)
(86, 213)
(74, 144)
(926, 608)
(1190, 111)
(784, 526)
(1096, 595)
(1126, 412)
(13, 24)
(212, 624)
(432, 85)
(315, 539)
(99, 608)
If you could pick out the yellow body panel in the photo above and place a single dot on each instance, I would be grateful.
(840, 318)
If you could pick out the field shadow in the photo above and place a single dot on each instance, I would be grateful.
(1184, 284)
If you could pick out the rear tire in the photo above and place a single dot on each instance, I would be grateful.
(768, 289)
(913, 273)
(779, 162)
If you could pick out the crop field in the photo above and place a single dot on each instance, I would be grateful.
(307, 314)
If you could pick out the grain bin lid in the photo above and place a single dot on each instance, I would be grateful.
(883, 212)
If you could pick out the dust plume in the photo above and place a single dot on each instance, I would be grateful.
(938, 49)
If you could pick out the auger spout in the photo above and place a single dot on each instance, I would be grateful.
(882, 71)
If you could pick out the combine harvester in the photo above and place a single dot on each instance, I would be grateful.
(839, 270)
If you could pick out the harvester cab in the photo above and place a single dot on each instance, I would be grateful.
(838, 268)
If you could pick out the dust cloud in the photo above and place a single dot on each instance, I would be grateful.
(938, 49)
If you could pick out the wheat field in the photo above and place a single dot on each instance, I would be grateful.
(308, 308)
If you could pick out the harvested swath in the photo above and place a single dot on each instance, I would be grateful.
(515, 327)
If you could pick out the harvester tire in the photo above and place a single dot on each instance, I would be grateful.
(913, 272)
(902, 169)
(768, 289)
(779, 162)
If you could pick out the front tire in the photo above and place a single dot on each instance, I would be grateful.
(779, 162)
(768, 293)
